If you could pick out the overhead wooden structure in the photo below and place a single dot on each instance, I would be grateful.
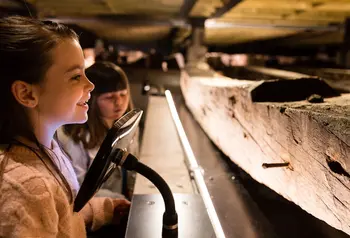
(295, 22)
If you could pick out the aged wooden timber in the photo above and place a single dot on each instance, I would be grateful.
(297, 148)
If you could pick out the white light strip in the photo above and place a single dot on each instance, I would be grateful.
(198, 176)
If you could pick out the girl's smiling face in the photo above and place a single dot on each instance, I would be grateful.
(65, 89)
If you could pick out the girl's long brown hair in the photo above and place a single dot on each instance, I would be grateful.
(25, 52)
(107, 77)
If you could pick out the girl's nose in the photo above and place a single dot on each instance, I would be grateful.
(90, 85)
(118, 101)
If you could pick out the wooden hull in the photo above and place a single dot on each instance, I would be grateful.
(313, 138)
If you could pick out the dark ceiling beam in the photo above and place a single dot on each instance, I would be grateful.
(227, 7)
(280, 45)
(270, 47)
(184, 13)
(294, 40)
(345, 44)
(300, 38)
(128, 20)
(144, 20)
(186, 8)
(137, 20)
(287, 51)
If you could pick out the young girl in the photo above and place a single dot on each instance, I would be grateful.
(42, 87)
(109, 101)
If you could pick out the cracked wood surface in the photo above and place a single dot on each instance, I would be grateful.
(313, 138)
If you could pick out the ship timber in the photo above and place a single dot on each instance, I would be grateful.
(299, 148)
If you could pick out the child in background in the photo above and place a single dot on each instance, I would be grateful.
(110, 100)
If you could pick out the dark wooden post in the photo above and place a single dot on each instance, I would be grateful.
(345, 52)
(197, 50)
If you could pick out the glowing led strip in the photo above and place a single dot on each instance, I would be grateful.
(198, 176)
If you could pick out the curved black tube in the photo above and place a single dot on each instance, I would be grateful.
(170, 216)
(160, 184)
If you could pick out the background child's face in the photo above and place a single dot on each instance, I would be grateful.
(65, 87)
(113, 105)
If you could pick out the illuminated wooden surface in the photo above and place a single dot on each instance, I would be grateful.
(161, 150)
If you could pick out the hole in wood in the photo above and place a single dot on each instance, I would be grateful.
(336, 167)
(204, 111)
(232, 100)
(274, 165)
(291, 90)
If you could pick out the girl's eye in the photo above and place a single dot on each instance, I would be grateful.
(76, 77)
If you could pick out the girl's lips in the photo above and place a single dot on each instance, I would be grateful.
(84, 104)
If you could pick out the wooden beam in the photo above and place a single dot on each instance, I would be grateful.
(132, 20)
(265, 47)
(344, 54)
(186, 8)
(285, 45)
(227, 7)
(230, 24)
(299, 149)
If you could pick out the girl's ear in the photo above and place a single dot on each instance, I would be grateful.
(26, 94)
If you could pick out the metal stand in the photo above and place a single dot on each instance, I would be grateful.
(145, 217)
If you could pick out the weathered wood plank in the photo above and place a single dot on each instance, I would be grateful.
(312, 138)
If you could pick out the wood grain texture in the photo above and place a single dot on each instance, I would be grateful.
(313, 138)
